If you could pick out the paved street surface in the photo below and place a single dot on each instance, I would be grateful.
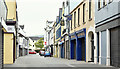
(39, 61)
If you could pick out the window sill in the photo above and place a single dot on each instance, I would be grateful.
(109, 2)
(90, 19)
(104, 6)
(84, 22)
(99, 9)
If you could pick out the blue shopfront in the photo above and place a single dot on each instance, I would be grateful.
(78, 45)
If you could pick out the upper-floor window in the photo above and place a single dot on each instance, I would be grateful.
(79, 17)
(99, 4)
(74, 19)
(90, 9)
(83, 13)
(71, 23)
(103, 2)
(110, 1)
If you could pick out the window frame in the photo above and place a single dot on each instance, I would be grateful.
(84, 13)
(75, 19)
(71, 21)
(99, 5)
(90, 9)
(78, 17)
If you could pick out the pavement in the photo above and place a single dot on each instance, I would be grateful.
(36, 61)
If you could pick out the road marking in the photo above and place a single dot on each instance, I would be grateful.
(70, 65)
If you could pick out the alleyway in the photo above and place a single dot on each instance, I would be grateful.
(39, 61)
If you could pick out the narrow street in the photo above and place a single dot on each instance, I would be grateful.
(40, 61)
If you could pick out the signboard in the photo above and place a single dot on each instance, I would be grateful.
(11, 29)
(81, 34)
(73, 36)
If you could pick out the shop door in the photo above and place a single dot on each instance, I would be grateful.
(74, 49)
(115, 47)
(83, 48)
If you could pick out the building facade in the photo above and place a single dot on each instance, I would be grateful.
(23, 45)
(65, 23)
(82, 30)
(58, 40)
(107, 23)
(11, 22)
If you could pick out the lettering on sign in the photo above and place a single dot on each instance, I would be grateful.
(81, 34)
(73, 36)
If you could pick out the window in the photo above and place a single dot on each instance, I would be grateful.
(110, 1)
(79, 17)
(74, 19)
(71, 24)
(89, 9)
(103, 2)
(99, 6)
(83, 13)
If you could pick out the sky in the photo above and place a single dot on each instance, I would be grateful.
(34, 14)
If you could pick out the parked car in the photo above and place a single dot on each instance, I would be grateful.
(47, 53)
(32, 52)
(41, 53)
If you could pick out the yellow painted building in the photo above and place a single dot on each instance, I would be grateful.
(11, 5)
(83, 18)
(8, 48)
(9, 34)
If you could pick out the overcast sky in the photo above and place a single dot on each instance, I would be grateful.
(34, 13)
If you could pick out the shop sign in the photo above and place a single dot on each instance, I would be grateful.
(81, 34)
(73, 36)
(11, 29)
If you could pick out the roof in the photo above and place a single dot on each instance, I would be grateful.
(36, 37)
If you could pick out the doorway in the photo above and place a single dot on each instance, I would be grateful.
(73, 49)
(83, 48)
(91, 46)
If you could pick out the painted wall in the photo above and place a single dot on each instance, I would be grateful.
(88, 23)
(11, 5)
(8, 48)
(106, 11)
